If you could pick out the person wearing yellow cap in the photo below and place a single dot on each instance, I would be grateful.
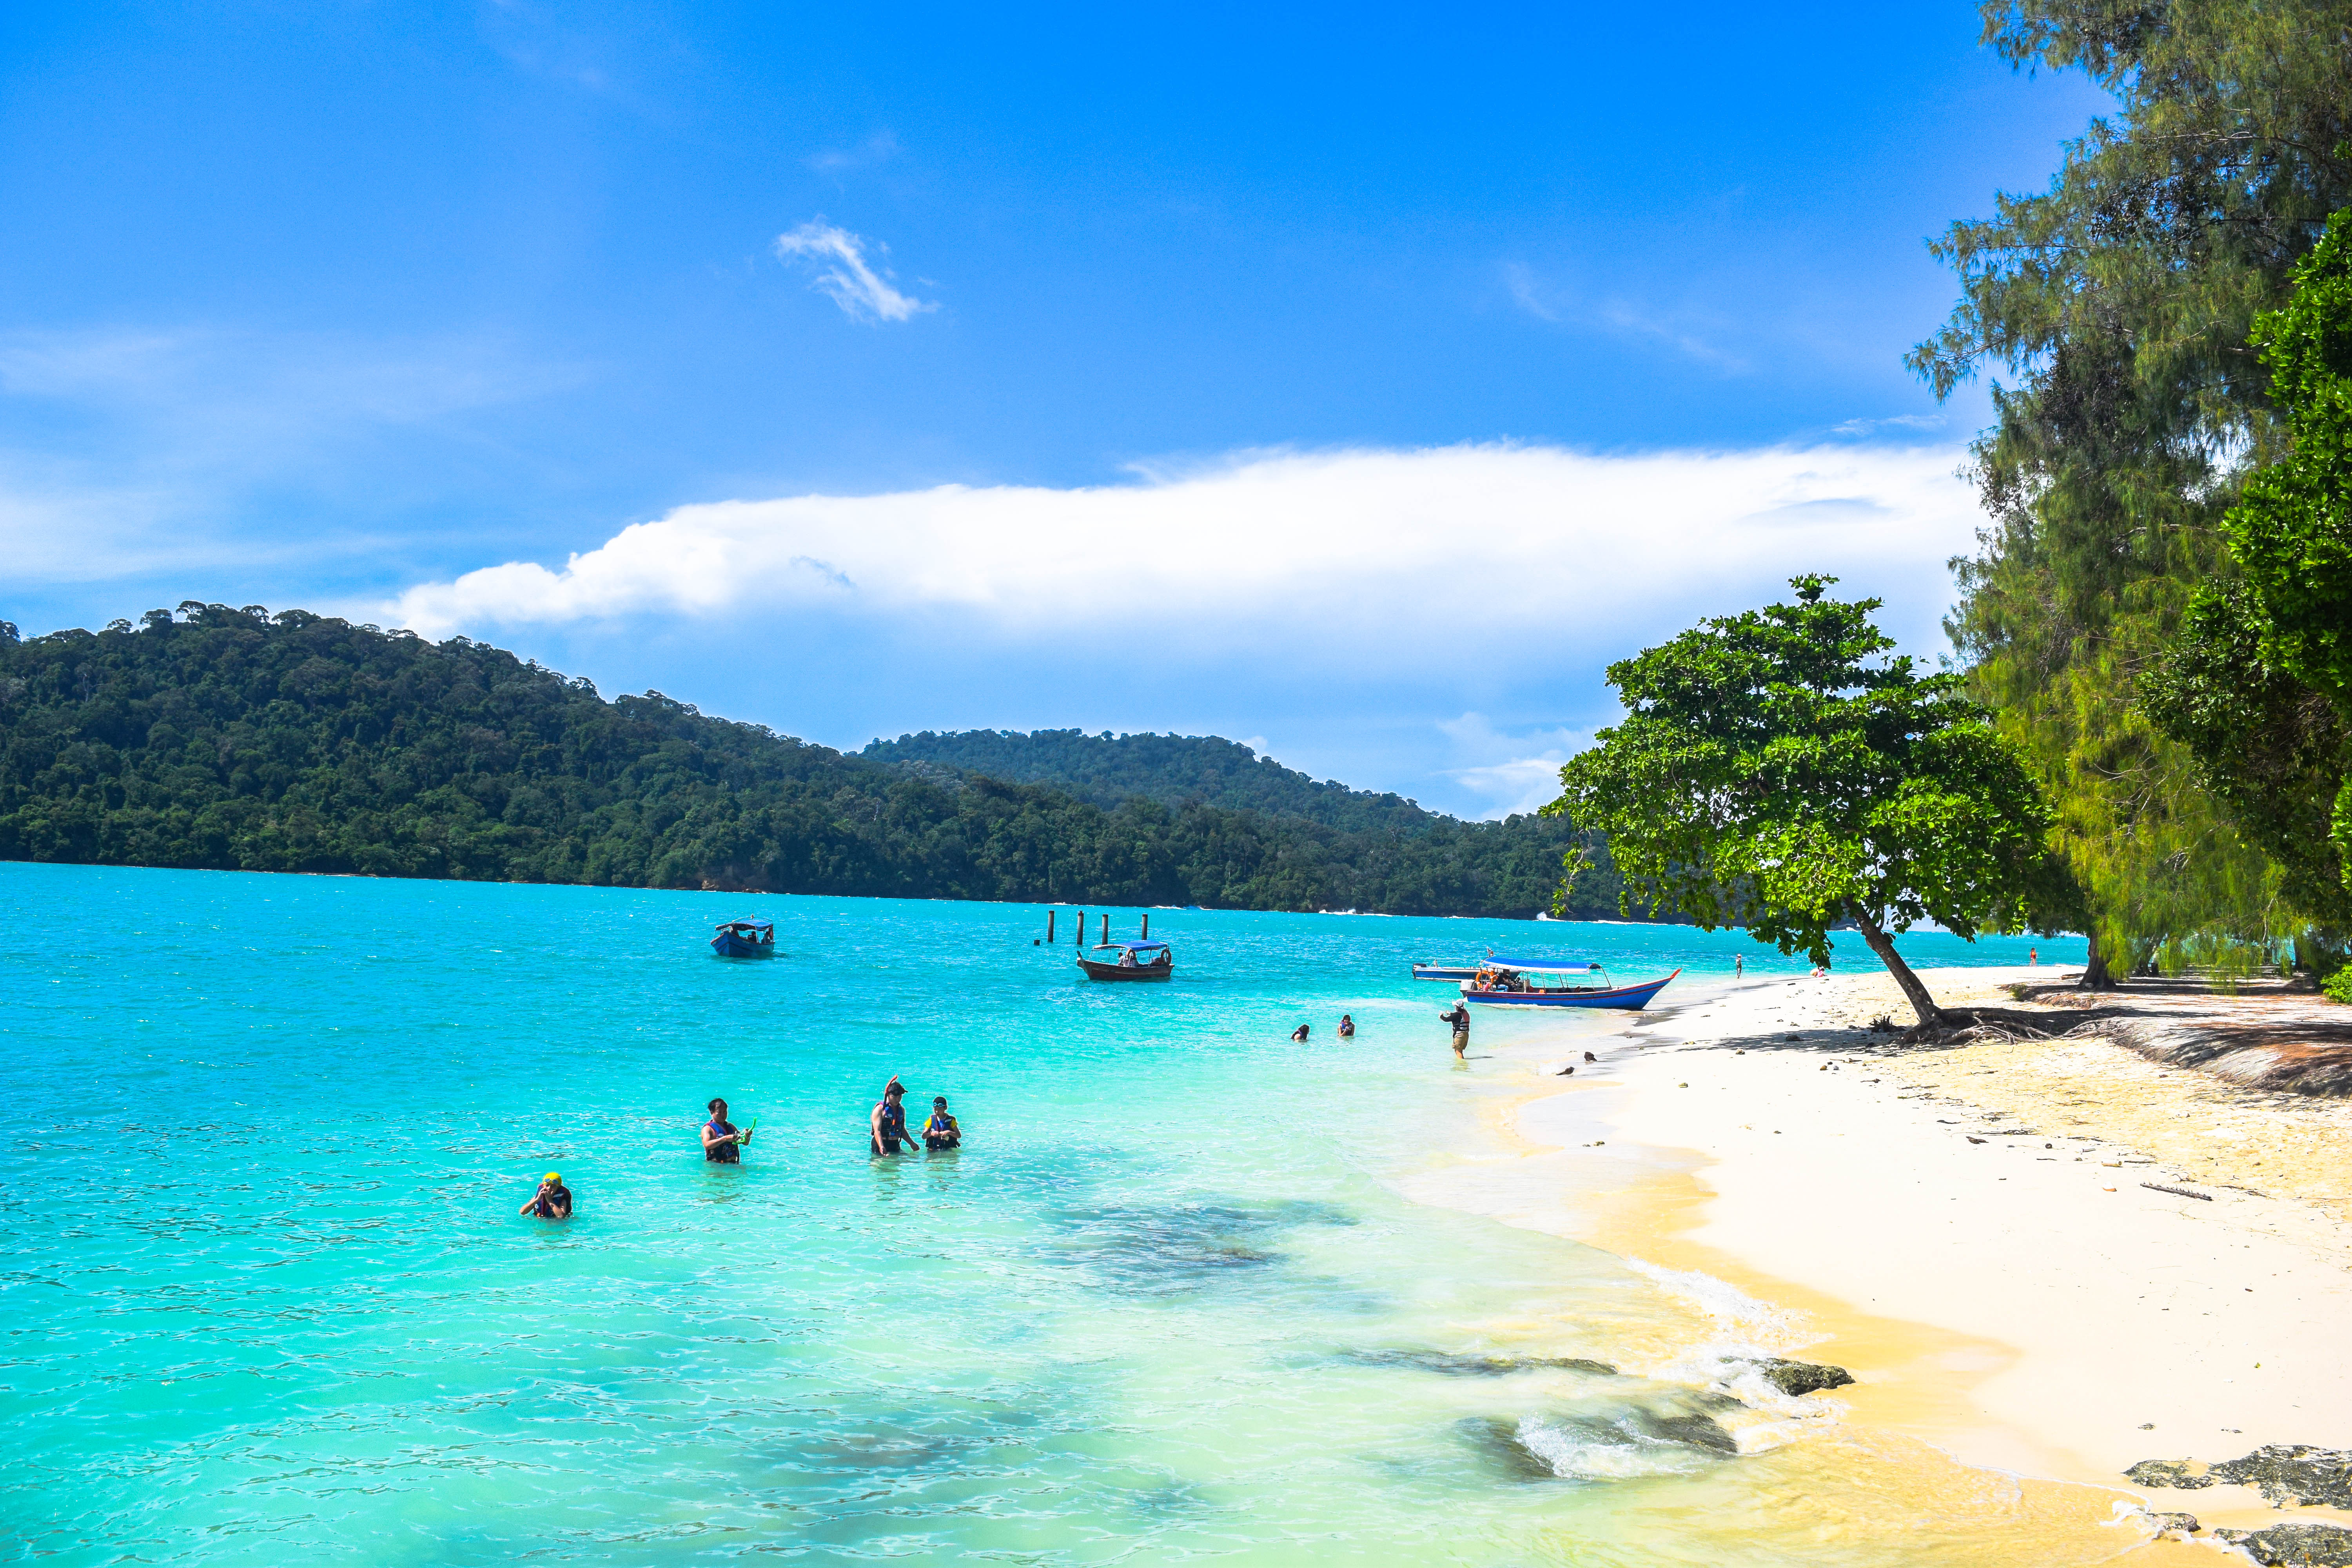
(553, 1199)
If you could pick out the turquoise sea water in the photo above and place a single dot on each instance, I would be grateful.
(266, 1297)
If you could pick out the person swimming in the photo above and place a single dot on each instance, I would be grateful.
(553, 1199)
(722, 1141)
(941, 1131)
(1347, 1026)
(1300, 1032)
(888, 1122)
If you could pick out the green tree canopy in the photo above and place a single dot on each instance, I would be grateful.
(2260, 685)
(1777, 770)
(2121, 301)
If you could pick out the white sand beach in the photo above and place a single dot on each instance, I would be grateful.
(1978, 1233)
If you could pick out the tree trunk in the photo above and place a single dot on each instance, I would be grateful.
(2096, 976)
(1913, 991)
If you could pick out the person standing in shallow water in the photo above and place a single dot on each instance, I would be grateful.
(1347, 1026)
(1460, 1019)
(722, 1141)
(552, 1201)
(888, 1122)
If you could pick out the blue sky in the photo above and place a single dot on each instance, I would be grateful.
(1357, 381)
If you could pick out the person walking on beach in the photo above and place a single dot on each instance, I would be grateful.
(888, 1122)
(1460, 1019)
(941, 1131)
(722, 1141)
(553, 1199)
(2033, 957)
(1347, 1026)
(1738, 966)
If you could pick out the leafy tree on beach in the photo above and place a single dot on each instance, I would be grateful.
(1776, 771)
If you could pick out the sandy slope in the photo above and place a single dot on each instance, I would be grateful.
(1968, 1230)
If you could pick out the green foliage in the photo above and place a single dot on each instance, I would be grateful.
(1173, 770)
(1775, 770)
(2123, 298)
(2338, 987)
(233, 740)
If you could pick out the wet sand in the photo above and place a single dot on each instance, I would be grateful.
(1968, 1230)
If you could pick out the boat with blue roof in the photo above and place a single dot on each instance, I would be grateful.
(1502, 982)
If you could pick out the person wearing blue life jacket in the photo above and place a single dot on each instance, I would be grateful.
(552, 1201)
(888, 1122)
(722, 1141)
(941, 1131)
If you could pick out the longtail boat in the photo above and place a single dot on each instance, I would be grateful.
(745, 939)
(1136, 961)
(1503, 983)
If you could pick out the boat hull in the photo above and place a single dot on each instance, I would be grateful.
(1135, 972)
(1632, 998)
(727, 945)
(1437, 972)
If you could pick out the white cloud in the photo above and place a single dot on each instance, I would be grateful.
(860, 290)
(1486, 559)
(1896, 422)
(1509, 772)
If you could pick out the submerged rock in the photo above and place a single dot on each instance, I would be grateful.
(2186, 1523)
(1612, 1440)
(2292, 1545)
(1795, 1377)
(1451, 1366)
(2293, 1475)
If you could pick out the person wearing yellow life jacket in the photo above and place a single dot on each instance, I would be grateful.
(941, 1131)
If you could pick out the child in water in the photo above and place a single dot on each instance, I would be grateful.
(941, 1132)
(553, 1199)
(1347, 1026)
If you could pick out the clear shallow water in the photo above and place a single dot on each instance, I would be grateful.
(264, 1294)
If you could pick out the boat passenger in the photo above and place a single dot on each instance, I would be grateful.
(888, 1122)
(1299, 1033)
(1127, 958)
(1460, 1019)
(941, 1132)
(1347, 1026)
(722, 1141)
(553, 1199)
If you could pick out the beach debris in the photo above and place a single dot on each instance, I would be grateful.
(1881, 1024)
(1590, 1058)
(1795, 1377)
(1974, 1139)
(2177, 1192)
(2288, 1475)
(2286, 1544)
(1563, 1072)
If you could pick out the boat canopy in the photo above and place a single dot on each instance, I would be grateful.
(1133, 946)
(1542, 965)
(743, 925)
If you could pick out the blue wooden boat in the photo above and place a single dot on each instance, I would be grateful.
(1504, 983)
(745, 939)
(1136, 961)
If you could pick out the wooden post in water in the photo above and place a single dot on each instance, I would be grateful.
(1049, 925)
(1080, 937)
(1147, 925)
(1106, 928)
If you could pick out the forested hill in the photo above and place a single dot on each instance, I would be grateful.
(1170, 769)
(237, 740)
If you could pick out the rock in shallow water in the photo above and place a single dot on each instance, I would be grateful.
(2293, 1545)
(2185, 1473)
(1796, 1377)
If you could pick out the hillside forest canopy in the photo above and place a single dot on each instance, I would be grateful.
(238, 740)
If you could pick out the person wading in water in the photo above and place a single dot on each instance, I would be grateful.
(722, 1142)
(1460, 1019)
(552, 1201)
(888, 1121)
